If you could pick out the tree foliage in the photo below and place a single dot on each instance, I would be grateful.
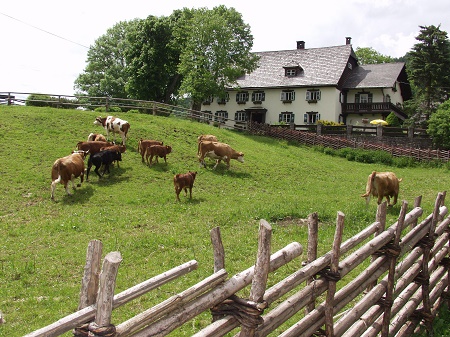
(368, 55)
(429, 69)
(439, 126)
(106, 71)
(216, 51)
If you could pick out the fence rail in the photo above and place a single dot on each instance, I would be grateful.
(402, 279)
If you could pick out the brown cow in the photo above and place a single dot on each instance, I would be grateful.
(184, 181)
(144, 144)
(218, 151)
(210, 138)
(92, 146)
(382, 184)
(156, 151)
(96, 137)
(67, 169)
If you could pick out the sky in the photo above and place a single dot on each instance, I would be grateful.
(44, 43)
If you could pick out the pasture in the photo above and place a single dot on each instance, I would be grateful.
(133, 209)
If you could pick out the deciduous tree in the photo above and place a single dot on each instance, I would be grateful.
(368, 55)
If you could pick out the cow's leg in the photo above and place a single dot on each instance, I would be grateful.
(54, 183)
(96, 171)
(190, 193)
(106, 169)
(388, 200)
(395, 199)
(81, 179)
(217, 163)
(66, 186)
(177, 192)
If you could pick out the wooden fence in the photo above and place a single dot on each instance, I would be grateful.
(313, 139)
(402, 278)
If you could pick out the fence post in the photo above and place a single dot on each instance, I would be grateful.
(333, 276)
(219, 252)
(313, 239)
(411, 132)
(9, 98)
(349, 131)
(102, 325)
(393, 251)
(379, 131)
(89, 283)
(319, 128)
(417, 203)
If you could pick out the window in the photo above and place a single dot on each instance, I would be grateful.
(363, 97)
(221, 116)
(290, 72)
(286, 117)
(311, 117)
(206, 115)
(240, 116)
(208, 100)
(242, 97)
(258, 96)
(313, 95)
(223, 100)
(387, 98)
(288, 96)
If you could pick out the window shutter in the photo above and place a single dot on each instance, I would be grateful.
(292, 118)
(280, 118)
(308, 95)
(318, 95)
(253, 96)
(263, 96)
(305, 118)
(283, 96)
(236, 115)
(318, 117)
(370, 96)
(226, 115)
(237, 97)
(357, 98)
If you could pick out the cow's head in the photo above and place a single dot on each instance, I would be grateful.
(82, 153)
(240, 157)
(99, 121)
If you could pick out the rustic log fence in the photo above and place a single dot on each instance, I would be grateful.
(400, 283)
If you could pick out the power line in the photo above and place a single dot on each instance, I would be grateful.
(45, 31)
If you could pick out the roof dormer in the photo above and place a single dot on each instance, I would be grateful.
(292, 69)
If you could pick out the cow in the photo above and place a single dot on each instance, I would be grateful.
(104, 158)
(66, 169)
(144, 144)
(382, 184)
(156, 151)
(218, 151)
(201, 138)
(115, 148)
(96, 137)
(92, 146)
(114, 125)
(184, 181)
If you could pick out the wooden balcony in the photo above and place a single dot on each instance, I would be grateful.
(383, 108)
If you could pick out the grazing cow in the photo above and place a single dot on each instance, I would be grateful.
(92, 146)
(104, 158)
(96, 137)
(201, 138)
(382, 184)
(114, 125)
(144, 144)
(184, 181)
(218, 151)
(156, 151)
(115, 148)
(67, 169)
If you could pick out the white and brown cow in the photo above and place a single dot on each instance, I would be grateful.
(382, 184)
(218, 151)
(114, 125)
(96, 137)
(184, 181)
(66, 169)
(144, 144)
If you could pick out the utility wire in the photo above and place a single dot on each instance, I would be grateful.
(45, 31)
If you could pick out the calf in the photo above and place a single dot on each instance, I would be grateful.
(156, 151)
(92, 146)
(115, 148)
(218, 151)
(102, 158)
(382, 184)
(67, 169)
(144, 144)
(184, 181)
(114, 125)
(209, 138)
(96, 137)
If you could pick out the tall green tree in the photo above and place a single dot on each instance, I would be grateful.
(428, 69)
(216, 51)
(106, 70)
(368, 55)
(152, 60)
(439, 126)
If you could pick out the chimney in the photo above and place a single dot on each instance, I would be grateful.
(348, 40)
(300, 44)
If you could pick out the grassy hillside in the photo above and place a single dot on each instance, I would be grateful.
(133, 210)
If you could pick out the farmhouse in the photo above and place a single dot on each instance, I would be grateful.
(302, 86)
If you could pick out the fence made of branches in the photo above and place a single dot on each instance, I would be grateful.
(402, 278)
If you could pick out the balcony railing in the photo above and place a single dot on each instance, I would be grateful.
(363, 108)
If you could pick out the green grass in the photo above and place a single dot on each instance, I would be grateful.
(133, 210)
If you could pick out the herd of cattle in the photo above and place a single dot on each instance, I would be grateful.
(103, 153)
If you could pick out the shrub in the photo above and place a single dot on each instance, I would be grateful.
(383, 157)
(330, 151)
(404, 162)
(364, 156)
(343, 152)
(110, 109)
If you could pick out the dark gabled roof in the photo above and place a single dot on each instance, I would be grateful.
(382, 75)
(321, 67)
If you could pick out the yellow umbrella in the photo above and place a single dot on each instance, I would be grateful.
(379, 121)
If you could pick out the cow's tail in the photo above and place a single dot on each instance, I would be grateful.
(399, 180)
(139, 145)
(56, 177)
(369, 185)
